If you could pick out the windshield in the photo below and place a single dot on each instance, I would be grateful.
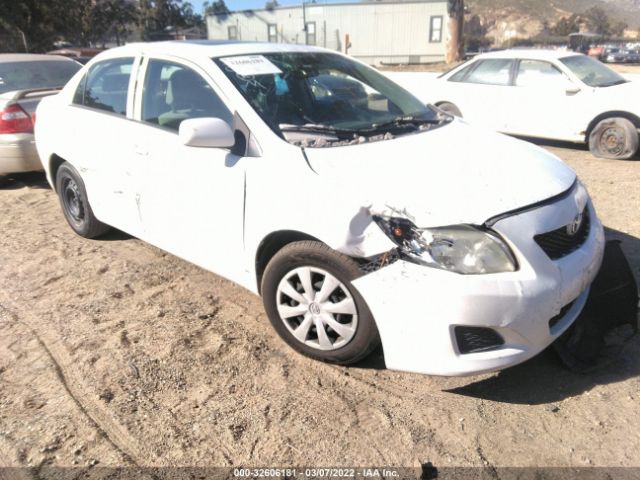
(39, 74)
(318, 92)
(592, 72)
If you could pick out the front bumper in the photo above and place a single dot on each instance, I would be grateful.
(18, 153)
(417, 308)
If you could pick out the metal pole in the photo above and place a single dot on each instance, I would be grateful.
(304, 20)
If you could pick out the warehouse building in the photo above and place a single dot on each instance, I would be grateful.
(375, 32)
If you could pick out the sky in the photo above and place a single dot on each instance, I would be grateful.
(248, 4)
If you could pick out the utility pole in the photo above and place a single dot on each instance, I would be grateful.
(455, 41)
(304, 20)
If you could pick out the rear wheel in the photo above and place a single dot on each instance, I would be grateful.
(75, 203)
(615, 138)
(450, 108)
(312, 304)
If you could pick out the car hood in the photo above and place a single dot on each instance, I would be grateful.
(622, 91)
(445, 176)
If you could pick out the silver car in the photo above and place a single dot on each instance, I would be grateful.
(24, 80)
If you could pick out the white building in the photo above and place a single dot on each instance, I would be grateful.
(377, 33)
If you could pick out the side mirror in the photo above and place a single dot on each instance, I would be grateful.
(571, 88)
(206, 132)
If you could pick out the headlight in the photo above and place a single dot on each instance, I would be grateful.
(462, 249)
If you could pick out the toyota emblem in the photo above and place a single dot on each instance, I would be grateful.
(574, 226)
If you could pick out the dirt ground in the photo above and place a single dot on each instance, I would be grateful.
(115, 353)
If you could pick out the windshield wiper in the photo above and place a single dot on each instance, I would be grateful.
(353, 132)
(401, 121)
(317, 128)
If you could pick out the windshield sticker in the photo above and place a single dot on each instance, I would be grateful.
(247, 65)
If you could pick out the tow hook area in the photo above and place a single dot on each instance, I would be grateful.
(609, 318)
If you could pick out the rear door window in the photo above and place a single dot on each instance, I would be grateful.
(460, 75)
(495, 71)
(106, 86)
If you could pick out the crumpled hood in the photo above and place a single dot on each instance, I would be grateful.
(446, 176)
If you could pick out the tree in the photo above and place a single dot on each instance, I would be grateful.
(38, 23)
(566, 26)
(455, 43)
(598, 20)
(158, 16)
(271, 4)
(110, 18)
(617, 29)
(215, 8)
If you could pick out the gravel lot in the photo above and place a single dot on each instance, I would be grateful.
(115, 353)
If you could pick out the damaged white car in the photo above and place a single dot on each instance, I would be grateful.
(360, 215)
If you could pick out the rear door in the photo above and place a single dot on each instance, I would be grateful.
(480, 91)
(103, 139)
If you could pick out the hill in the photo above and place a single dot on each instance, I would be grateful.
(627, 10)
(503, 20)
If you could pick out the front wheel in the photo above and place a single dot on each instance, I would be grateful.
(615, 138)
(75, 203)
(312, 304)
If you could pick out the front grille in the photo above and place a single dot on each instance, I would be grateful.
(477, 339)
(554, 321)
(559, 243)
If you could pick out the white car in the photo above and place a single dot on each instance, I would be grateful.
(359, 221)
(548, 94)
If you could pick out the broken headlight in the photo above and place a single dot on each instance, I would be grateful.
(462, 249)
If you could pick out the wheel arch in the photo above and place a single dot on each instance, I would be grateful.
(55, 161)
(611, 114)
(272, 244)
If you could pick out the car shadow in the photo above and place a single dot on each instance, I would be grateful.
(114, 235)
(545, 379)
(554, 143)
(15, 181)
(568, 145)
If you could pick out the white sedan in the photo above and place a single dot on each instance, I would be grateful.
(548, 94)
(359, 214)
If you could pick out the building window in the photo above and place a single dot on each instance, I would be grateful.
(311, 33)
(435, 35)
(272, 32)
(233, 32)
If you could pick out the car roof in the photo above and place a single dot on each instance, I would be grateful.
(209, 48)
(30, 57)
(530, 54)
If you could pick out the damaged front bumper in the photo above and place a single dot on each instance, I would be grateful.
(420, 312)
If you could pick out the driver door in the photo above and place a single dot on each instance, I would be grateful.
(189, 199)
(543, 102)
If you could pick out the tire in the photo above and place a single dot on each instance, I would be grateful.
(317, 262)
(450, 108)
(615, 138)
(75, 203)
